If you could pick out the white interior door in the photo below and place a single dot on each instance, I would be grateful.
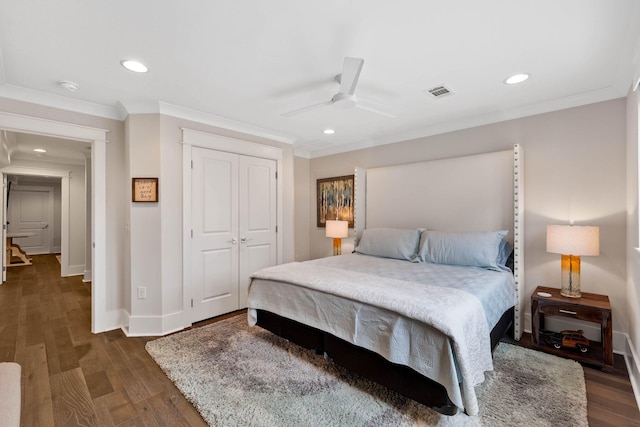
(31, 211)
(214, 246)
(234, 217)
(258, 220)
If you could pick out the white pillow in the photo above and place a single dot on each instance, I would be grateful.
(390, 243)
(473, 249)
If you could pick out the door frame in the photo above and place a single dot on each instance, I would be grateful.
(98, 140)
(193, 138)
(41, 187)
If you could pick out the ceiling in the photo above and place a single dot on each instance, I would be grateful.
(242, 64)
(21, 146)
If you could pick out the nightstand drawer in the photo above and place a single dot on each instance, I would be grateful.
(580, 313)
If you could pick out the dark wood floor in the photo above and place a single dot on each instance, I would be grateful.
(72, 377)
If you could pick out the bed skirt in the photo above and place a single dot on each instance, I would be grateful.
(399, 378)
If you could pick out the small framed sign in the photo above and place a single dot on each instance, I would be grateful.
(144, 189)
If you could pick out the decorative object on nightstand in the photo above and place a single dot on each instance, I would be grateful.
(572, 241)
(337, 230)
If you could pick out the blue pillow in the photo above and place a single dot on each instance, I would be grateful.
(472, 249)
(390, 243)
(504, 253)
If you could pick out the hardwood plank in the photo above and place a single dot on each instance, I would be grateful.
(163, 410)
(72, 404)
(98, 384)
(37, 405)
(119, 406)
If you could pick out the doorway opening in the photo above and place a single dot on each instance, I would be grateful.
(97, 139)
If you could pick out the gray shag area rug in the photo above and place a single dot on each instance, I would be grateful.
(240, 376)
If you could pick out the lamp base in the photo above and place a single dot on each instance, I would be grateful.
(337, 246)
(570, 276)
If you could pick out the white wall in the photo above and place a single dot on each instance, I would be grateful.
(633, 253)
(145, 235)
(302, 208)
(155, 150)
(115, 200)
(574, 166)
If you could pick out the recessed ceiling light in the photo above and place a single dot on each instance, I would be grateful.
(39, 150)
(516, 78)
(135, 66)
(328, 131)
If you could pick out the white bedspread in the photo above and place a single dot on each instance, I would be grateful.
(458, 314)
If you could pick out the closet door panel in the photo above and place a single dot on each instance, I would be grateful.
(257, 219)
(215, 258)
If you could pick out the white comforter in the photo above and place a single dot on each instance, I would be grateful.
(456, 313)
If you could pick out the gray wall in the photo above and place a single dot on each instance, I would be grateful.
(574, 166)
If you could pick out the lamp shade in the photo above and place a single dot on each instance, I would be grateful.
(581, 240)
(337, 229)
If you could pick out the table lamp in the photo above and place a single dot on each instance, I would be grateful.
(572, 241)
(337, 230)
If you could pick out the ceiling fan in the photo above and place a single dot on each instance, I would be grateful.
(345, 97)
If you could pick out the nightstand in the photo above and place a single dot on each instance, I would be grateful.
(590, 307)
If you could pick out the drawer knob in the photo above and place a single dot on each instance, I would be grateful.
(568, 312)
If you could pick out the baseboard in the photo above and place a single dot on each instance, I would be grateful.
(74, 270)
(115, 319)
(633, 367)
(143, 326)
(87, 276)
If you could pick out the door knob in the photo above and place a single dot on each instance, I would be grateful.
(243, 240)
(234, 240)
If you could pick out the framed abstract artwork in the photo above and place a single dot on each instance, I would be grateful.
(335, 198)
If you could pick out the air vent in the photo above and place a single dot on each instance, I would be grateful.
(439, 91)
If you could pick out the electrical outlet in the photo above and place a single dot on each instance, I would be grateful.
(142, 292)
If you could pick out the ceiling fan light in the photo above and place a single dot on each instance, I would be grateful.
(39, 150)
(135, 66)
(329, 131)
(344, 100)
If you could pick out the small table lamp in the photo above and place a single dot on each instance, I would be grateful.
(337, 230)
(572, 241)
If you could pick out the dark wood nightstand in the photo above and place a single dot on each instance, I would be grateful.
(590, 307)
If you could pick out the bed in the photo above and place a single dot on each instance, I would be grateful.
(405, 309)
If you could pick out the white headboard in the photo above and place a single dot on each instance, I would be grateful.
(472, 193)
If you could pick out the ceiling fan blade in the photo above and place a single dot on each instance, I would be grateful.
(351, 69)
(374, 107)
(305, 109)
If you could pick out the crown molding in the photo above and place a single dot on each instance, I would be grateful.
(223, 122)
(578, 100)
(56, 101)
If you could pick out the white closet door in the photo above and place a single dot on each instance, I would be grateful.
(257, 215)
(214, 249)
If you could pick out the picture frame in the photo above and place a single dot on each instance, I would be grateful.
(144, 190)
(335, 199)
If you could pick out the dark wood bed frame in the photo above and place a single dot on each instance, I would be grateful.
(399, 378)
